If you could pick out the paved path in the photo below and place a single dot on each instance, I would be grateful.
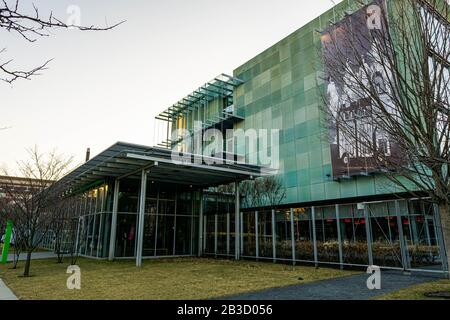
(344, 288)
(5, 292)
(34, 256)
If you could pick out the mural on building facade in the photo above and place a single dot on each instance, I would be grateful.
(351, 111)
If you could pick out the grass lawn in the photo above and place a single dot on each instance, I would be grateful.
(182, 278)
(418, 292)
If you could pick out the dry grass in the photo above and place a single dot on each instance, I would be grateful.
(189, 278)
(418, 292)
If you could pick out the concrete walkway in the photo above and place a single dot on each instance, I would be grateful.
(5, 292)
(34, 256)
(345, 288)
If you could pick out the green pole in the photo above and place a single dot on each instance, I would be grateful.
(6, 242)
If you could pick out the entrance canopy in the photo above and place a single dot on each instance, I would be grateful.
(125, 160)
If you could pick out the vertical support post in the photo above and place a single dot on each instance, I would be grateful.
(78, 236)
(200, 226)
(313, 221)
(403, 246)
(368, 234)
(292, 236)
(274, 238)
(100, 230)
(439, 236)
(112, 238)
(425, 221)
(215, 234)
(256, 235)
(237, 222)
(175, 222)
(338, 225)
(241, 226)
(156, 223)
(92, 245)
(205, 223)
(228, 233)
(191, 251)
(140, 233)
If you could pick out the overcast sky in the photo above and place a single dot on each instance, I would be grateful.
(104, 87)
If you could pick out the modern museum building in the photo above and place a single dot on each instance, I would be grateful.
(186, 198)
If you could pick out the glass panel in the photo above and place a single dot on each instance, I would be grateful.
(326, 234)
(148, 246)
(164, 242)
(232, 233)
(248, 236)
(95, 234)
(283, 234)
(265, 234)
(183, 236)
(386, 250)
(222, 233)
(304, 248)
(423, 250)
(209, 248)
(353, 233)
(125, 238)
(89, 238)
(82, 235)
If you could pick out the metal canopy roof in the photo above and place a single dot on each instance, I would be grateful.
(123, 160)
(220, 87)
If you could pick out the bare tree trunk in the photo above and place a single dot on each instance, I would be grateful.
(444, 214)
(16, 256)
(26, 272)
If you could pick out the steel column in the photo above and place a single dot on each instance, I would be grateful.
(241, 227)
(368, 234)
(313, 221)
(292, 235)
(200, 226)
(403, 245)
(140, 233)
(228, 233)
(439, 236)
(274, 238)
(215, 233)
(256, 235)
(112, 238)
(237, 222)
(338, 223)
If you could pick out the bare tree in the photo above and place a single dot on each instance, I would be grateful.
(31, 27)
(387, 97)
(262, 192)
(30, 206)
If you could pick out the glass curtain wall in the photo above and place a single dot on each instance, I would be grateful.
(219, 232)
(93, 208)
(402, 234)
